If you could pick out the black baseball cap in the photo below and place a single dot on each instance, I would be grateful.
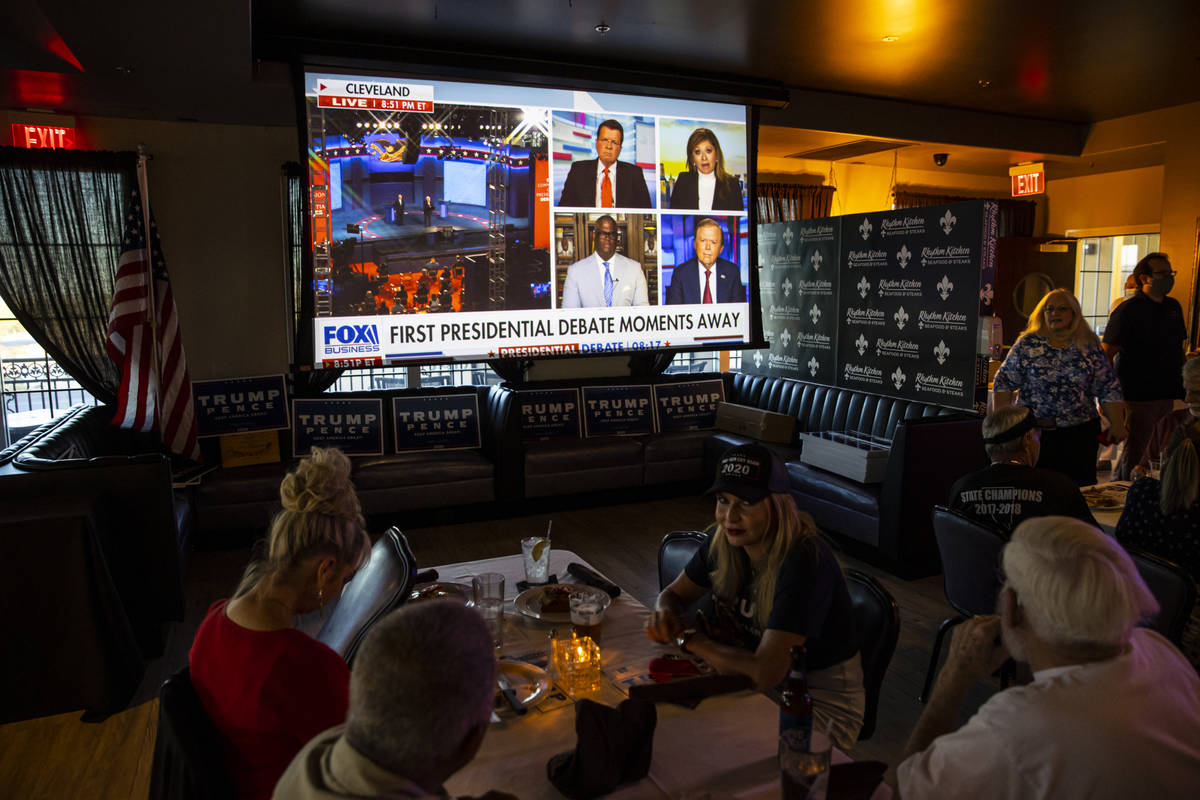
(751, 472)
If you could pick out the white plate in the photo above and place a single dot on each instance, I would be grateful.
(530, 683)
(527, 603)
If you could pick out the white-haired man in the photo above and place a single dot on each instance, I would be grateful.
(1113, 710)
(1011, 489)
(421, 695)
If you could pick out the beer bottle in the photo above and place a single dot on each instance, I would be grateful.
(795, 711)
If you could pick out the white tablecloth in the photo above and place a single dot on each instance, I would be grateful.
(724, 748)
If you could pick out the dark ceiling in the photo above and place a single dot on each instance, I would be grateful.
(1070, 61)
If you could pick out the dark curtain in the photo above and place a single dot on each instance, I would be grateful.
(306, 382)
(647, 365)
(784, 202)
(61, 224)
(1015, 217)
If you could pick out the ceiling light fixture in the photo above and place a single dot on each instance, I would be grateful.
(984, 83)
(891, 38)
(602, 28)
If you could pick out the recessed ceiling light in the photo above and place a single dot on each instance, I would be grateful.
(984, 83)
(891, 38)
(602, 28)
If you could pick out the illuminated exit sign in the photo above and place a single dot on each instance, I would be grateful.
(1028, 179)
(35, 137)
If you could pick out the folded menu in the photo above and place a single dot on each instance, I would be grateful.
(589, 576)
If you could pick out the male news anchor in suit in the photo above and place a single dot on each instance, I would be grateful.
(706, 278)
(593, 184)
(605, 278)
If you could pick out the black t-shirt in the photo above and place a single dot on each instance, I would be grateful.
(811, 600)
(1008, 494)
(1150, 335)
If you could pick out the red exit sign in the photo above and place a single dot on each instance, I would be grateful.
(54, 137)
(1028, 179)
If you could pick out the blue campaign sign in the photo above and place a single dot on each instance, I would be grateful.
(353, 426)
(690, 406)
(437, 422)
(618, 410)
(238, 405)
(549, 413)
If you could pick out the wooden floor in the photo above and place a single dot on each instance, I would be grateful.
(60, 757)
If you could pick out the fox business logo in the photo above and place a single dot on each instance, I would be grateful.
(344, 339)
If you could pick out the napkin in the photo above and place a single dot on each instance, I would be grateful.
(614, 746)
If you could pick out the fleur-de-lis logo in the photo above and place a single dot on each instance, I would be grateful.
(945, 286)
(864, 286)
(985, 294)
(901, 317)
(758, 359)
(813, 366)
(861, 343)
(815, 313)
(941, 351)
(898, 378)
(786, 338)
(948, 222)
(903, 256)
(788, 235)
(815, 259)
(865, 228)
(787, 287)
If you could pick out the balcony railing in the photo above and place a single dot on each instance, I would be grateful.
(34, 391)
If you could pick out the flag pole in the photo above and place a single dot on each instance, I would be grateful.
(151, 288)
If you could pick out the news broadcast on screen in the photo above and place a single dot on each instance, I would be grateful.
(469, 221)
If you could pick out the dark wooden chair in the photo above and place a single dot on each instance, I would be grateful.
(877, 628)
(189, 761)
(382, 585)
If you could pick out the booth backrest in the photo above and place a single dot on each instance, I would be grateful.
(86, 435)
(826, 408)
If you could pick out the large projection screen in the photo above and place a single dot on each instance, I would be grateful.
(468, 221)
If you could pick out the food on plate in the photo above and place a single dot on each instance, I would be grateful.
(439, 590)
(555, 599)
(1108, 497)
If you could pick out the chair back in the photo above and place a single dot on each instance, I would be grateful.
(970, 552)
(1172, 587)
(674, 552)
(189, 757)
(381, 585)
(877, 628)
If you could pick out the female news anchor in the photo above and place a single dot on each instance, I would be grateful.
(1059, 370)
(706, 186)
(267, 687)
(775, 583)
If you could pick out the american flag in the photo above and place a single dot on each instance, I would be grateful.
(140, 404)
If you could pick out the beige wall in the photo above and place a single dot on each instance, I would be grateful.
(1130, 199)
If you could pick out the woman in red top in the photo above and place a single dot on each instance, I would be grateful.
(268, 687)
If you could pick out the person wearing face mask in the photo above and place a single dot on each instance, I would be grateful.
(774, 583)
(1145, 336)
(706, 186)
(1057, 368)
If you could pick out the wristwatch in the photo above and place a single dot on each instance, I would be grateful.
(682, 639)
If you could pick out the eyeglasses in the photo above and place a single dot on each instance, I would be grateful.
(1168, 273)
(608, 234)
(1052, 309)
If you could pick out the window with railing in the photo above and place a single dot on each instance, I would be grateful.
(33, 388)
(706, 361)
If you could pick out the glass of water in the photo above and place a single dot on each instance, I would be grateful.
(489, 602)
(804, 765)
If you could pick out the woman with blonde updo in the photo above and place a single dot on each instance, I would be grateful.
(268, 687)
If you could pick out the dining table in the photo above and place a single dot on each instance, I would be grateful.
(1108, 513)
(726, 747)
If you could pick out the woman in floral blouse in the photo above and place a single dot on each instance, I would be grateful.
(1059, 370)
